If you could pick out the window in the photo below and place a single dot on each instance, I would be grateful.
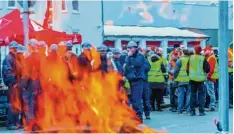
(75, 6)
(63, 5)
(11, 3)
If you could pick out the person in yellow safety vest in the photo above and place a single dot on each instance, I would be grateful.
(230, 72)
(198, 67)
(159, 52)
(212, 76)
(127, 87)
(182, 81)
(171, 83)
(176, 49)
(156, 81)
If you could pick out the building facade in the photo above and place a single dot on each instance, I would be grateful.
(200, 17)
(71, 16)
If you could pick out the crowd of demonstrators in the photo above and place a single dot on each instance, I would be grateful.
(188, 77)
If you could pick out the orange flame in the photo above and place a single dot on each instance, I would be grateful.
(93, 102)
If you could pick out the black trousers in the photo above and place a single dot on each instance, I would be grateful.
(157, 94)
(197, 89)
(173, 98)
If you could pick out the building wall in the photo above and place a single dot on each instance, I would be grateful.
(87, 22)
(161, 14)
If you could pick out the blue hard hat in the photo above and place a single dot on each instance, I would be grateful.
(41, 44)
(13, 44)
(33, 42)
(53, 47)
(102, 48)
(69, 44)
(132, 44)
(116, 51)
(20, 49)
(86, 45)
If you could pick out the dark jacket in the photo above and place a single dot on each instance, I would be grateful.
(122, 59)
(84, 63)
(9, 70)
(134, 69)
(103, 66)
(157, 85)
(147, 68)
(206, 69)
(33, 71)
(119, 66)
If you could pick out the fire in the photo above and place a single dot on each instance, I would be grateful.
(93, 103)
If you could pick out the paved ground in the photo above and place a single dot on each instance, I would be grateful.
(175, 123)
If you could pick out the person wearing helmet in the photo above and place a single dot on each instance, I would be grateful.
(20, 67)
(33, 88)
(102, 49)
(135, 74)
(10, 80)
(146, 90)
(85, 57)
(71, 60)
(42, 47)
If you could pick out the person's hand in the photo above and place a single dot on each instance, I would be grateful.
(15, 86)
(130, 53)
(124, 78)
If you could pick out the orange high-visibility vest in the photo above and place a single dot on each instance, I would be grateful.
(172, 62)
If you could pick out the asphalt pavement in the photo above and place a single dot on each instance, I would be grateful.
(184, 123)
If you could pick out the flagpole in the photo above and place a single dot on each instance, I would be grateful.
(25, 22)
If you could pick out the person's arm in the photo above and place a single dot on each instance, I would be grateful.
(177, 68)
(147, 66)
(163, 68)
(206, 66)
(212, 63)
(8, 72)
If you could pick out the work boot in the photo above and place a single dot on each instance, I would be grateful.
(202, 114)
(192, 113)
(173, 110)
(12, 128)
(212, 109)
(147, 117)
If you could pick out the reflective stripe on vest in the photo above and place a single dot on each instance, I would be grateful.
(183, 76)
(215, 75)
(155, 74)
(196, 72)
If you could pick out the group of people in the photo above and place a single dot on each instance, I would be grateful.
(147, 76)
(190, 77)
